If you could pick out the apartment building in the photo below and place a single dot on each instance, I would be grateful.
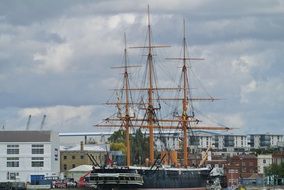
(230, 142)
(28, 155)
(265, 140)
(171, 140)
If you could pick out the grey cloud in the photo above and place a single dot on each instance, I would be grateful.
(20, 12)
(48, 37)
(231, 35)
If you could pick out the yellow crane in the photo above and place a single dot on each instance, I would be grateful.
(204, 158)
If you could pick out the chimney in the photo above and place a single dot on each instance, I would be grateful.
(81, 146)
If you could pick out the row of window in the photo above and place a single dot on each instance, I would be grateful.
(65, 166)
(14, 162)
(97, 157)
(14, 149)
(73, 157)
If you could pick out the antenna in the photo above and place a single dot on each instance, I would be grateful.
(42, 122)
(28, 122)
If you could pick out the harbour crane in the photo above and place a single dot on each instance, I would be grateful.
(42, 122)
(28, 122)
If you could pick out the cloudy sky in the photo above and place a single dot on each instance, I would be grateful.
(55, 58)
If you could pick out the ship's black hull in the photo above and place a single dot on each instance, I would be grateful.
(171, 178)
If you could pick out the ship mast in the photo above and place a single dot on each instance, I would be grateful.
(150, 108)
(185, 118)
(185, 102)
(124, 118)
(127, 116)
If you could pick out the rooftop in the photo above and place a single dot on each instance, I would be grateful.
(25, 136)
(86, 147)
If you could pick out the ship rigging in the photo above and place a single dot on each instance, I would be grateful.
(151, 105)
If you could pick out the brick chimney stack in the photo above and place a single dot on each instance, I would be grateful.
(81, 146)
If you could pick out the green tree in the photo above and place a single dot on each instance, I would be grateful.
(118, 147)
(117, 137)
(139, 148)
(277, 171)
(139, 145)
(268, 150)
(117, 141)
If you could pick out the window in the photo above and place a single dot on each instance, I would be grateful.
(56, 154)
(65, 166)
(82, 156)
(64, 157)
(13, 162)
(37, 162)
(12, 175)
(231, 171)
(12, 149)
(73, 157)
(73, 165)
(37, 149)
(264, 161)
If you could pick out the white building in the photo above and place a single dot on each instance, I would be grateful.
(205, 141)
(241, 141)
(219, 142)
(265, 140)
(263, 161)
(276, 140)
(28, 155)
(198, 140)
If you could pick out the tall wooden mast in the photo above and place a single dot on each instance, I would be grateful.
(124, 117)
(151, 89)
(150, 109)
(185, 118)
(127, 116)
(185, 102)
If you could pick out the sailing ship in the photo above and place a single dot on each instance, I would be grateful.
(149, 118)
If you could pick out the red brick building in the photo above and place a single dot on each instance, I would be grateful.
(277, 158)
(240, 167)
